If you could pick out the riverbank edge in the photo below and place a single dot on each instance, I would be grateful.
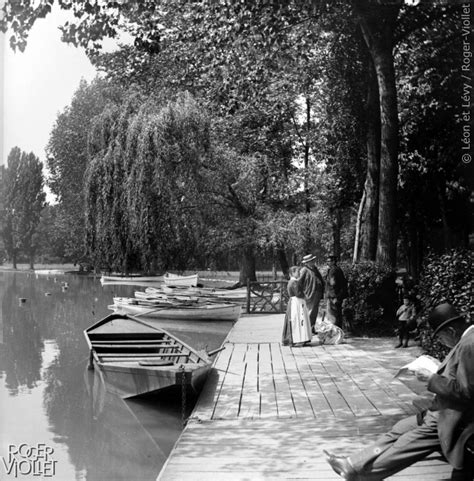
(72, 269)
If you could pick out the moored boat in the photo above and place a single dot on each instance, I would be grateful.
(181, 311)
(176, 280)
(135, 357)
(156, 296)
(240, 293)
(180, 290)
(132, 278)
(49, 272)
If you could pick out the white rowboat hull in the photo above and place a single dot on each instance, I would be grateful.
(131, 279)
(175, 280)
(215, 312)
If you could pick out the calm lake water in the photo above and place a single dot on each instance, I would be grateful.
(51, 401)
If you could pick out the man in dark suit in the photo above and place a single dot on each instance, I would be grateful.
(313, 286)
(445, 426)
(336, 285)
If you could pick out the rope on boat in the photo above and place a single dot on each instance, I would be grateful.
(183, 396)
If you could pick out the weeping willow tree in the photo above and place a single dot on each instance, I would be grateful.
(142, 187)
(106, 219)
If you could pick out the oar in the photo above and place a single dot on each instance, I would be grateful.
(215, 351)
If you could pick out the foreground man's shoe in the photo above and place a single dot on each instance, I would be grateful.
(341, 466)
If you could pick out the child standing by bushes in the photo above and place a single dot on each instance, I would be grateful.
(405, 315)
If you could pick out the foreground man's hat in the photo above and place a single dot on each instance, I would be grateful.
(308, 258)
(441, 315)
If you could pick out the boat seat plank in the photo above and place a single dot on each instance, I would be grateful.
(133, 341)
(129, 336)
(156, 362)
(136, 346)
(145, 358)
(138, 360)
(163, 354)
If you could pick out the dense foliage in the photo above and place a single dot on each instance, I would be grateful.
(298, 108)
(446, 278)
(22, 200)
(433, 182)
(371, 302)
(67, 161)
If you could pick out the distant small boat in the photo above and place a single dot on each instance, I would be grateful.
(49, 272)
(177, 310)
(176, 280)
(117, 278)
(136, 358)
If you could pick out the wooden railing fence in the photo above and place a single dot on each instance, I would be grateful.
(266, 296)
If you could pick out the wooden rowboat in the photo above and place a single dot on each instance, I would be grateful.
(181, 290)
(145, 296)
(136, 358)
(122, 279)
(216, 311)
(240, 293)
(175, 280)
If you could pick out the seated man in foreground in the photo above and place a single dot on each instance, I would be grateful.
(445, 426)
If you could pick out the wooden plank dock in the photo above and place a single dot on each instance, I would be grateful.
(267, 411)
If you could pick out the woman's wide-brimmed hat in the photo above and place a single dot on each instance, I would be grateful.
(308, 258)
(442, 315)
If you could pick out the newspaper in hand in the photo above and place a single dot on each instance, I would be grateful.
(425, 362)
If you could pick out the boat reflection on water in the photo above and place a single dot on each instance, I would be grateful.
(129, 433)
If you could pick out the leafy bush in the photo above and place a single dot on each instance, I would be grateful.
(371, 298)
(445, 278)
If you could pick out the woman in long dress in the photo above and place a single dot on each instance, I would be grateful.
(296, 328)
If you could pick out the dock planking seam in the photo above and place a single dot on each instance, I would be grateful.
(300, 401)
(285, 402)
(316, 397)
(210, 395)
(268, 401)
(384, 386)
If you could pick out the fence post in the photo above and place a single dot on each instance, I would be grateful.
(248, 295)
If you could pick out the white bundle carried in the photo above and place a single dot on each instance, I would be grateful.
(327, 332)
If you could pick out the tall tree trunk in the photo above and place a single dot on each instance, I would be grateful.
(444, 218)
(357, 240)
(283, 261)
(412, 250)
(32, 258)
(378, 23)
(247, 265)
(306, 156)
(387, 233)
(414, 245)
(307, 204)
(369, 207)
(336, 233)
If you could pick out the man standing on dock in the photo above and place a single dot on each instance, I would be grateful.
(313, 286)
(336, 285)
